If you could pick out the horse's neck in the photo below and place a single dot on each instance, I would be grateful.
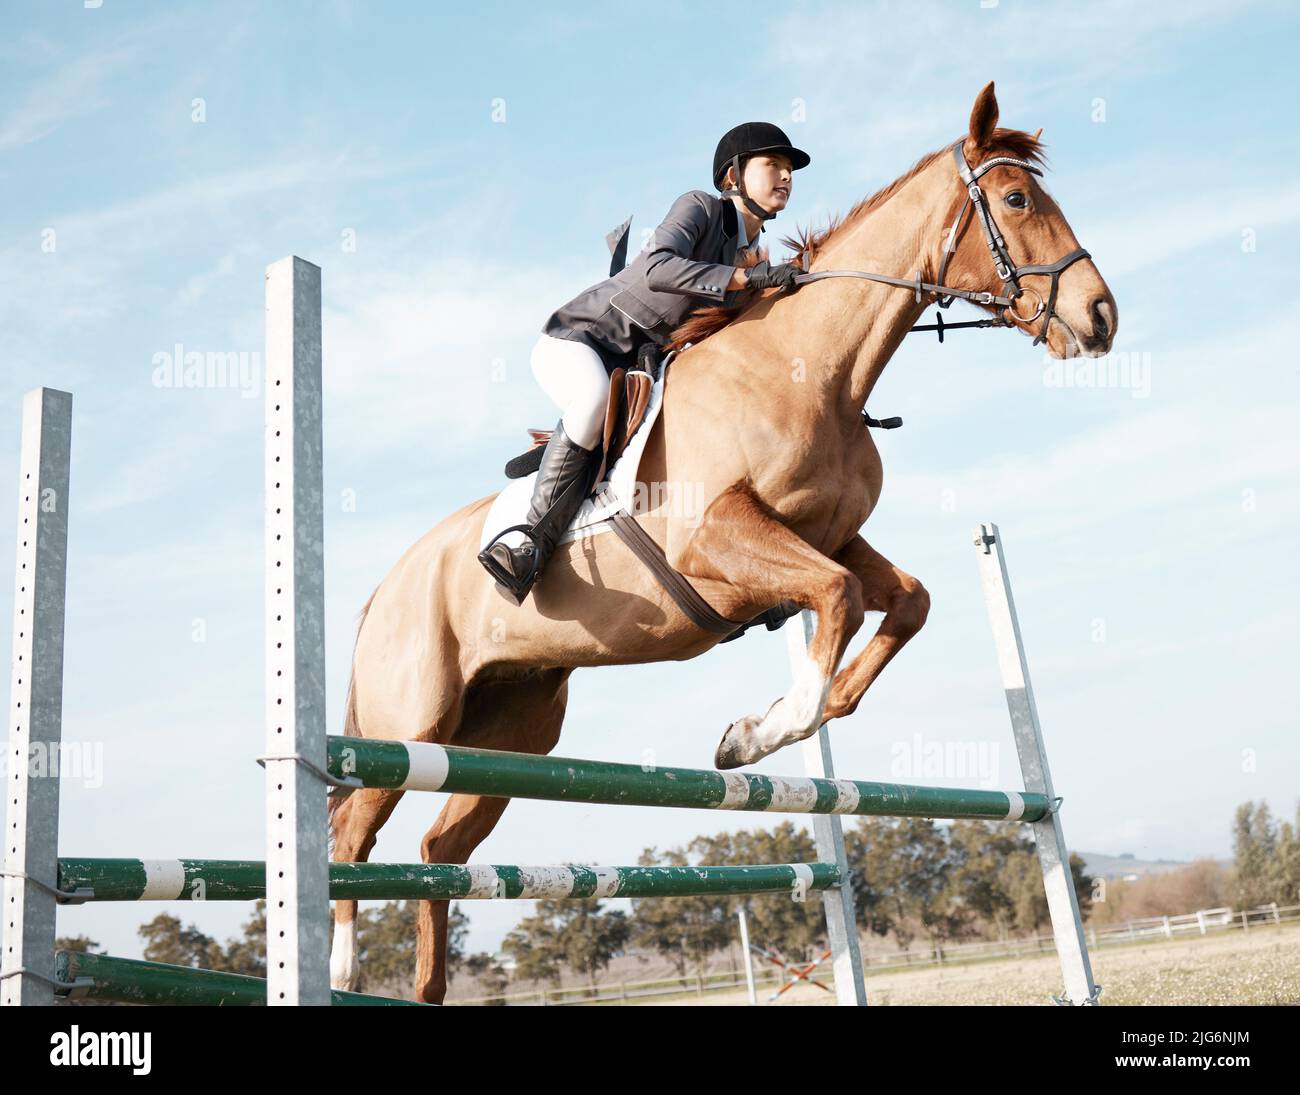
(847, 329)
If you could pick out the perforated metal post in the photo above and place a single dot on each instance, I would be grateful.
(297, 880)
(36, 713)
(828, 831)
(1053, 856)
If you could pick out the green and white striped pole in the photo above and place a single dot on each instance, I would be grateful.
(128, 981)
(245, 880)
(423, 766)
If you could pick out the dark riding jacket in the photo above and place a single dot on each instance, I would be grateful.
(688, 263)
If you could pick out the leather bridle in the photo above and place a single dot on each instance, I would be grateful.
(1006, 268)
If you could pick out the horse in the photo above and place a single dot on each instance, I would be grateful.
(762, 416)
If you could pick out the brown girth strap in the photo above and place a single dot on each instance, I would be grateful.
(639, 542)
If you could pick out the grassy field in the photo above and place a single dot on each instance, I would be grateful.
(1259, 967)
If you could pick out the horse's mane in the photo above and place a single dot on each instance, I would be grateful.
(807, 243)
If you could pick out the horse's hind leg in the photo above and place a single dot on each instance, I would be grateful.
(524, 716)
(356, 824)
(382, 704)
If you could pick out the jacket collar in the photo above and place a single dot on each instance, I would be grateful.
(730, 217)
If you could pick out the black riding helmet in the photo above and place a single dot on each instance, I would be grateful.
(747, 140)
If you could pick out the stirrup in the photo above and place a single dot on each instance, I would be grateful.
(513, 586)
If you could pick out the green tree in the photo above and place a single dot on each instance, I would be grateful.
(166, 940)
(386, 948)
(490, 974)
(684, 931)
(1266, 857)
(900, 868)
(248, 954)
(578, 934)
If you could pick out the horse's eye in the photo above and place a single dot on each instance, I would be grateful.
(1016, 200)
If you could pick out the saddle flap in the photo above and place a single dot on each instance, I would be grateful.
(637, 386)
(629, 396)
(609, 433)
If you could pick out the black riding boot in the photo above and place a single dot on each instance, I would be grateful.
(563, 481)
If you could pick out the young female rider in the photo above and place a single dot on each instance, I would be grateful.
(690, 261)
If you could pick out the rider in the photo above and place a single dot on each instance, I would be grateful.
(690, 261)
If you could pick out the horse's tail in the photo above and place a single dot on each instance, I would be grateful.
(351, 729)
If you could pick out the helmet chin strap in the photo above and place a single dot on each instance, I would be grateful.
(738, 191)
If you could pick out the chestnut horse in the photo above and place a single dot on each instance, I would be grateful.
(763, 419)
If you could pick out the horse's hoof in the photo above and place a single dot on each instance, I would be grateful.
(736, 749)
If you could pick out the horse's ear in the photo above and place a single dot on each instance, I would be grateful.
(1039, 133)
(983, 118)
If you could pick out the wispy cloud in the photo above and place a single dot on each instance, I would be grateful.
(1164, 226)
(76, 90)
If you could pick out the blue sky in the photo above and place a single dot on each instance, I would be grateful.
(453, 172)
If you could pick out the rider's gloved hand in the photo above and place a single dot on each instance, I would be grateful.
(762, 275)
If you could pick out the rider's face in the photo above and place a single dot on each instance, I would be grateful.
(769, 180)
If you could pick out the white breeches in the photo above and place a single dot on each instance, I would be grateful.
(574, 376)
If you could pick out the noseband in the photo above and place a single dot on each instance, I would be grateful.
(1006, 269)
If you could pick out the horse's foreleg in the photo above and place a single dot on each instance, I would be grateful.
(905, 604)
(739, 542)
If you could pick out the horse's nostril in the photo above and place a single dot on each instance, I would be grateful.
(1100, 318)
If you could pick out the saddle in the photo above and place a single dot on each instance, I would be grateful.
(629, 395)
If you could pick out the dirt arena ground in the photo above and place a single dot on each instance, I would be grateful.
(1259, 967)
